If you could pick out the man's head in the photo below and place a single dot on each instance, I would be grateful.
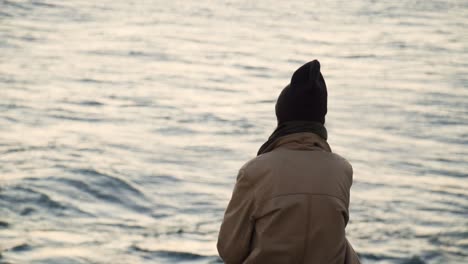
(305, 98)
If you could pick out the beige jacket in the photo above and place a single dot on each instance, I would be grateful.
(290, 205)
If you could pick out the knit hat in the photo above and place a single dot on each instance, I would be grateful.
(305, 98)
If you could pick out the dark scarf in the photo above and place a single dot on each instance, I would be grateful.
(292, 127)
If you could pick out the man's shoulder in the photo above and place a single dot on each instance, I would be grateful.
(343, 162)
(276, 158)
(261, 161)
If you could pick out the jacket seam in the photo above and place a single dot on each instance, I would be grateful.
(310, 194)
(306, 244)
(252, 198)
(251, 213)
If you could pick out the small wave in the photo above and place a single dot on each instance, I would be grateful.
(360, 56)
(104, 53)
(444, 172)
(83, 187)
(252, 68)
(33, 201)
(18, 149)
(5, 14)
(110, 181)
(132, 54)
(91, 80)
(216, 119)
(4, 224)
(256, 102)
(81, 119)
(44, 4)
(207, 149)
(65, 114)
(173, 130)
(179, 255)
(107, 188)
(29, 5)
(149, 55)
(13, 106)
(123, 226)
(204, 117)
(414, 260)
(27, 211)
(20, 248)
(47, 202)
(87, 103)
(32, 196)
(13, 4)
(176, 255)
(10, 119)
(162, 179)
(104, 195)
(91, 103)
(381, 257)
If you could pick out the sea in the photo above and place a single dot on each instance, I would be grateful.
(123, 123)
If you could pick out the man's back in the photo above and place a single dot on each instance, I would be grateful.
(299, 197)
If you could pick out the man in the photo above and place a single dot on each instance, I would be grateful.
(290, 203)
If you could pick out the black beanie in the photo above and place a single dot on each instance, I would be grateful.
(305, 98)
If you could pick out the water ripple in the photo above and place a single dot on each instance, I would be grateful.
(124, 123)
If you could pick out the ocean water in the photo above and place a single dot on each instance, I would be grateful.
(123, 123)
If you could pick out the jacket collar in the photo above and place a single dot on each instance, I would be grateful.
(300, 141)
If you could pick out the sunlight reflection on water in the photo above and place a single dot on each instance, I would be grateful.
(124, 124)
